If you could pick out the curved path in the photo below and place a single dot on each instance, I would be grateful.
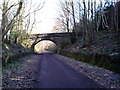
(53, 73)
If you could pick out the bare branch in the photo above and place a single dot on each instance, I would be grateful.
(37, 9)
(10, 8)
(12, 21)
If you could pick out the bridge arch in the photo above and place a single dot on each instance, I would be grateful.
(57, 38)
(45, 39)
(48, 40)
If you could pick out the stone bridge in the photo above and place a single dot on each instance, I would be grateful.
(58, 38)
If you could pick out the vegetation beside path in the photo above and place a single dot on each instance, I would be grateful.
(11, 51)
(104, 52)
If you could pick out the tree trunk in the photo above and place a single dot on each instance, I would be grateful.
(75, 36)
(85, 22)
(117, 16)
(8, 26)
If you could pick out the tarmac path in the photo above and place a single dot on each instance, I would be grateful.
(53, 73)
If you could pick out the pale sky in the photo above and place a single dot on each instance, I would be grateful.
(46, 17)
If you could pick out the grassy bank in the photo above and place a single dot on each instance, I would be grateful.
(11, 54)
(13, 50)
(11, 62)
(103, 52)
(103, 61)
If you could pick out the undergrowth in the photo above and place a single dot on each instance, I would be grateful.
(102, 61)
(12, 62)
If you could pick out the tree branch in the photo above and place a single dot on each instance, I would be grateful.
(12, 21)
(37, 9)
(10, 8)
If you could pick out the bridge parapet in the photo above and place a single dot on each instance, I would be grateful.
(51, 35)
(57, 38)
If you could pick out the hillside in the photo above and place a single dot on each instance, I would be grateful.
(104, 51)
(12, 50)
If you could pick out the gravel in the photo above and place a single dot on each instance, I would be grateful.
(106, 78)
(23, 76)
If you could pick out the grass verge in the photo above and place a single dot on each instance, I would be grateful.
(12, 61)
(102, 61)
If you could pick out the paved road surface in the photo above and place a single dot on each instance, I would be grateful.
(53, 73)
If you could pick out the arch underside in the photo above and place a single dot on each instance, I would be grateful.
(48, 40)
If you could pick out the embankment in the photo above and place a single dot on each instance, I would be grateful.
(103, 52)
(13, 50)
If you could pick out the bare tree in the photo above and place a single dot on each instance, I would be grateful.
(65, 8)
(75, 36)
(17, 23)
(5, 25)
(85, 21)
(116, 16)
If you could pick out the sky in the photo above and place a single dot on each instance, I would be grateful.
(46, 17)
